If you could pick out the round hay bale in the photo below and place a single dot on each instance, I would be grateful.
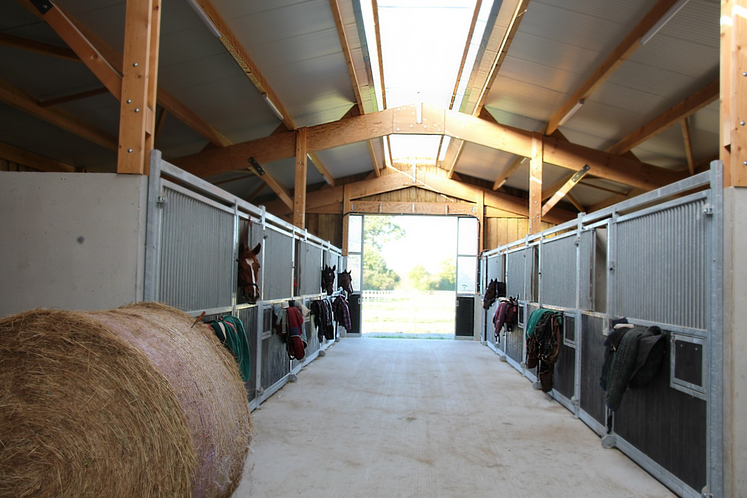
(126, 402)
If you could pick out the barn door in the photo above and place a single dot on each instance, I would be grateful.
(466, 277)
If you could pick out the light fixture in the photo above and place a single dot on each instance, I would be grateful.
(204, 17)
(272, 106)
(572, 112)
(661, 22)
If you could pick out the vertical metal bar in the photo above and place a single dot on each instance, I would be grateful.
(263, 222)
(152, 228)
(577, 323)
(235, 258)
(714, 407)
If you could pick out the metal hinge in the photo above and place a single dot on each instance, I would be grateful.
(161, 199)
(708, 210)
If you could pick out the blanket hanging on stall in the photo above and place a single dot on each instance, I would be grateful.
(543, 347)
(230, 331)
(342, 312)
(322, 311)
(505, 315)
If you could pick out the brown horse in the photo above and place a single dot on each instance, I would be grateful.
(345, 280)
(490, 294)
(328, 279)
(249, 273)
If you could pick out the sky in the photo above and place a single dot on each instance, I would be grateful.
(429, 241)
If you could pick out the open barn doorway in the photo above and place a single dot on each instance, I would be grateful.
(410, 270)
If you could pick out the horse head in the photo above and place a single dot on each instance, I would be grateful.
(328, 279)
(249, 272)
(490, 294)
(345, 280)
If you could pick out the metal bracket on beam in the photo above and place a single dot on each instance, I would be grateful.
(43, 6)
(256, 166)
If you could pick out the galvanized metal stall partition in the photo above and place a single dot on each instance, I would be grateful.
(192, 243)
(657, 260)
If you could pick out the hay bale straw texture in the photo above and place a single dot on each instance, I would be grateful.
(132, 402)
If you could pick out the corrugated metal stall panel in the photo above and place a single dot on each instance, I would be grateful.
(662, 269)
(586, 289)
(310, 261)
(495, 268)
(592, 359)
(332, 259)
(515, 345)
(564, 376)
(248, 317)
(197, 258)
(279, 256)
(667, 425)
(275, 362)
(515, 273)
(558, 274)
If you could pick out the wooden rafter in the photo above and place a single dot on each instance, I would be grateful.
(247, 65)
(32, 160)
(465, 52)
(280, 190)
(535, 184)
(624, 50)
(38, 47)
(375, 7)
(689, 106)
(575, 202)
(455, 148)
(435, 121)
(57, 117)
(550, 191)
(564, 190)
(322, 169)
(165, 99)
(392, 182)
(508, 171)
(73, 97)
(688, 145)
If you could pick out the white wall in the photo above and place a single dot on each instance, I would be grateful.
(72, 241)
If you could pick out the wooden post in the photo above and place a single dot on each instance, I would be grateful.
(734, 92)
(535, 185)
(299, 194)
(346, 207)
(139, 79)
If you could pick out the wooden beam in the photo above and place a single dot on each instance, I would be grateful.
(690, 105)
(431, 208)
(247, 65)
(299, 193)
(38, 47)
(160, 120)
(734, 137)
(256, 192)
(550, 191)
(319, 165)
(57, 117)
(535, 185)
(453, 153)
(688, 146)
(91, 57)
(32, 160)
(346, 209)
(726, 82)
(73, 97)
(165, 99)
(337, 16)
(280, 190)
(508, 171)
(377, 31)
(565, 189)
(374, 156)
(435, 121)
(575, 202)
(624, 50)
(137, 110)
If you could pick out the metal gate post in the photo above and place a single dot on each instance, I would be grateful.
(153, 229)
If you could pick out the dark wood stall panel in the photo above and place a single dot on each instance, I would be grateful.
(667, 425)
(591, 397)
(564, 377)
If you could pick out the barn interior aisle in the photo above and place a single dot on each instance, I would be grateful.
(414, 418)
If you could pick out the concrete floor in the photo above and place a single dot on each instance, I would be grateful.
(426, 418)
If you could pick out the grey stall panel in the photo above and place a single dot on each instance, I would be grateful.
(197, 255)
(662, 268)
(310, 271)
(278, 281)
(515, 273)
(558, 280)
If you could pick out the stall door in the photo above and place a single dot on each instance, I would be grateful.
(466, 278)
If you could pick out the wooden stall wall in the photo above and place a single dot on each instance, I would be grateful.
(501, 231)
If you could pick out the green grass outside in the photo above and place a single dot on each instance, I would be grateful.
(411, 315)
